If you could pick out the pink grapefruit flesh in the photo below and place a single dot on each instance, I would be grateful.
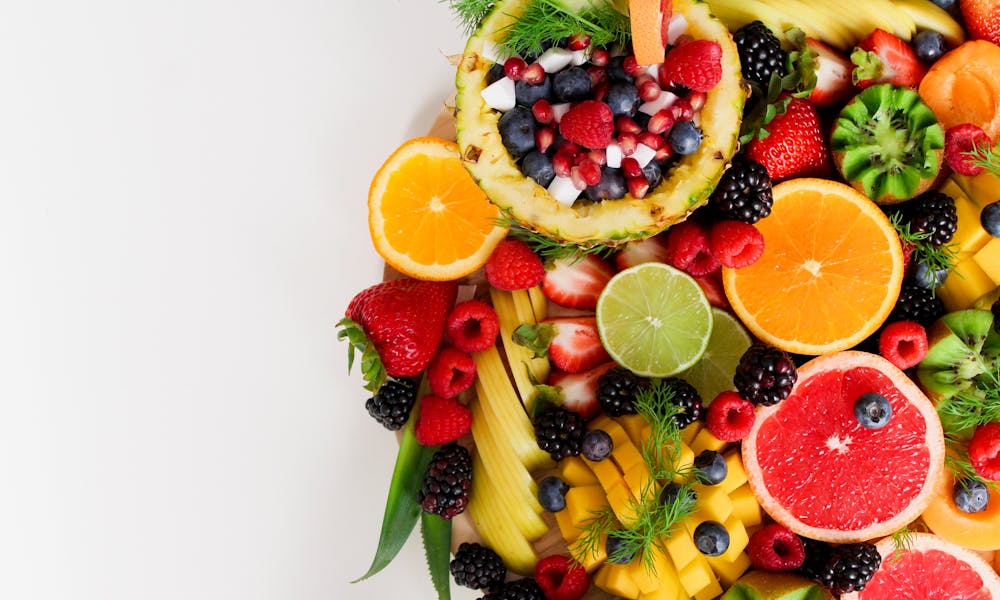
(817, 471)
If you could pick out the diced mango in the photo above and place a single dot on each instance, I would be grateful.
(614, 579)
(969, 235)
(622, 504)
(982, 189)
(575, 472)
(590, 558)
(696, 576)
(706, 441)
(639, 480)
(729, 572)
(626, 455)
(618, 434)
(607, 472)
(689, 432)
(988, 259)
(713, 505)
(714, 590)
(745, 506)
(735, 474)
(636, 427)
(581, 503)
(680, 547)
(685, 463)
(662, 574)
(569, 531)
(965, 284)
(738, 539)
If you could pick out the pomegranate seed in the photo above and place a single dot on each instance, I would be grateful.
(626, 124)
(682, 110)
(633, 68)
(534, 74)
(576, 174)
(581, 158)
(649, 91)
(597, 75)
(578, 41)
(662, 121)
(544, 136)
(696, 100)
(631, 168)
(650, 139)
(600, 57)
(590, 171)
(568, 148)
(638, 187)
(600, 91)
(561, 164)
(542, 110)
(661, 75)
(627, 142)
(598, 156)
(515, 67)
(664, 152)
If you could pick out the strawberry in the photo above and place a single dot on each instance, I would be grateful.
(576, 282)
(589, 123)
(653, 249)
(573, 344)
(982, 19)
(397, 326)
(579, 390)
(711, 284)
(795, 145)
(833, 75)
(884, 58)
(442, 420)
(696, 65)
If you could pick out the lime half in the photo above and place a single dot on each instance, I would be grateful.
(713, 373)
(654, 320)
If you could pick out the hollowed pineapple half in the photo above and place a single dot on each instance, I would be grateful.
(611, 222)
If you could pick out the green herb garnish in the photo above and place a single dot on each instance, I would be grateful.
(549, 248)
(548, 21)
(470, 13)
(985, 156)
(937, 258)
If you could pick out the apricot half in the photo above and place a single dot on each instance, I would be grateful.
(978, 531)
(964, 87)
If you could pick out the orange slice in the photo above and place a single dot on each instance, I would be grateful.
(648, 21)
(427, 217)
(830, 272)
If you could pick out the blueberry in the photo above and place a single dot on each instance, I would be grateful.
(517, 129)
(712, 468)
(616, 70)
(539, 167)
(552, 494)
(623, 98)
(597, 445)
(613, 544)
(495, 73)
(653, 174)
(670, 492)
(872, 410)
(971, 495)
(945, 4)
(989, 217)
(684, 138)
(927, 279)
(611, 187)
(642, 119)
(711, 538)
(929, 45)
(571, 85)
(527, 94)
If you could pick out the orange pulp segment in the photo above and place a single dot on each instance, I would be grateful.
(648, 20)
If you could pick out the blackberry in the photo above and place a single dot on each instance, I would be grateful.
(559, 432)
(841, 569)
(477, 567)
(446, 485)
(932, 213)
(760, 53)
(916, 303)
(616, 391)
(744, 192)
(687, 399)
(391, 404)
(522, 589)
(765, 375)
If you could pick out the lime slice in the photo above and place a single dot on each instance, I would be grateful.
(714, 372)
(654, 320)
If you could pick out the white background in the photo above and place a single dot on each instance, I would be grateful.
(182, 222)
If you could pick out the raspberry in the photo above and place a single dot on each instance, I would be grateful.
(472, 326)
(696, 65)
(561, 578)
(730, 417)
(903, 343)
(687, 249)
(589, 123)
(959, 141)
(451, 372)
(984, 450)
(442, 420)
(775, 547)
(513, 266)
(735, 244)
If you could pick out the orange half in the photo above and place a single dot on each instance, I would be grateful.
(830, 272)
(427, 217)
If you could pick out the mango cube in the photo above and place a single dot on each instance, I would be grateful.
(627, 456)
(575, 472)
(969, 235)
(581, 503)
(736, 475)
(706, 441)
(730, 571)
(640, 480)
(965, 284)
(689, 432)
(745, 506)
(607, 472)
(713, 505)
(649, 580)
(622, 503)
(697, 576)
(988, 259)
(615, 580)
(685, 462)
(636, 427)
(590, 558)
(680, 547)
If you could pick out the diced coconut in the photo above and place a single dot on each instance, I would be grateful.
(654, 106)
(613, 154)
(563, 190)
(653, 71)
(558, 110)
(677, 27)
(643, 154)
(580, 56)
(500, 94)
(493, 52)
(555, 59)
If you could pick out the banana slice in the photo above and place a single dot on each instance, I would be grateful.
(737, 13)
(903, 25)
(928, 15)
(831, 15)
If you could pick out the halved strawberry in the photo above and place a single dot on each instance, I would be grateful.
(653, 249)
(884, 58)
(833, 75)
(982, 19)
(573, 344)
(576, 282)
(711, 284)
(579, 390)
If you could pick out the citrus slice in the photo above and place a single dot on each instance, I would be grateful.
(830, 272)
(654, 320)
(648, 20)
(929, 567)
(713, 373)
(427, 217)
(816, 470)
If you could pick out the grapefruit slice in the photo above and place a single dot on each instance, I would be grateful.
(929, 568)
(817, 471)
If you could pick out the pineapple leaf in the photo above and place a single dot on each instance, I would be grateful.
(371, 363)
(436, 534)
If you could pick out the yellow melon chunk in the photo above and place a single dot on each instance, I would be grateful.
(735, 474)
(697, 576)
(745, 506)
(988, 259)
(729, 572)
(614, 579)
(574, 471)
(965, 284)
(689, 432)
(680, 547)
(706, 441)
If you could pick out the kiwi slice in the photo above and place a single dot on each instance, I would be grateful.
(888, 144)
(961, 347)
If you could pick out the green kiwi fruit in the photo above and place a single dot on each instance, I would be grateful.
(961, 346)
(888, 144)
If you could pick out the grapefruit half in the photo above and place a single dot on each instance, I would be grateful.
(817, 471)
(929, 568)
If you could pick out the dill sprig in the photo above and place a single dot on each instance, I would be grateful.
(985, 156)
(937, 258)
(549, 248)
(902, 540)
(470, 13)
(959, 465)
(547, 21)
(970, 408)
(661, 451)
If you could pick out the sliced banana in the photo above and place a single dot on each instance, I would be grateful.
(928, 15)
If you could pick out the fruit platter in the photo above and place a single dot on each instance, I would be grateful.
(695, 299)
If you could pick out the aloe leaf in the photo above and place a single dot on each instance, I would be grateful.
(436, 533)
(401, 507)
